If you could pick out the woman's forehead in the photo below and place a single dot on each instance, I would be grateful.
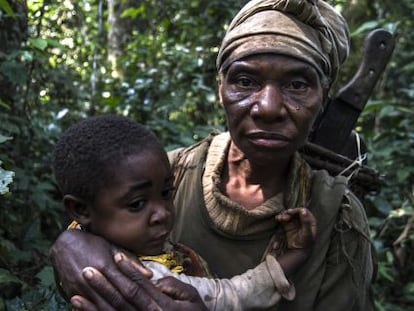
(276, 61)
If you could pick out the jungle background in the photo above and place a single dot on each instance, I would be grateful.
(154, 61)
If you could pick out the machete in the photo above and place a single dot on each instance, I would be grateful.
(334, 128)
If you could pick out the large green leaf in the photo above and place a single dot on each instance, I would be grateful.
(5, 6)
(39, 43)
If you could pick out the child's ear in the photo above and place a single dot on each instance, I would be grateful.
(77, 209)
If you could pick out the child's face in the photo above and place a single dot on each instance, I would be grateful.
(136, 210)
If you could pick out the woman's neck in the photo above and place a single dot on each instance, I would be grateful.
(248, 184)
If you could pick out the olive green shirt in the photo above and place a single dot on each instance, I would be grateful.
(337, 275)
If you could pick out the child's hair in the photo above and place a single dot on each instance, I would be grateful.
(88, 152)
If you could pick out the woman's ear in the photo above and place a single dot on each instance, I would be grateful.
(77, 209)
(219, 87)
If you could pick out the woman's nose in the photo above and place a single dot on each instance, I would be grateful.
(268, 104)
(160, 214)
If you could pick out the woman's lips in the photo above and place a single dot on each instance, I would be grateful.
(268, 140)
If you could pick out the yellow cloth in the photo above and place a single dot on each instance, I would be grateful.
(74, 225)
(309, 30)
(170, 260)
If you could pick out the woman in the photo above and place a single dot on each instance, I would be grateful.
(276, 64)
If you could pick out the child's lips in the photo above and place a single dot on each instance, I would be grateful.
(160, 238)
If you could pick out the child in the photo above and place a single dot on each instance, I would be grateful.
(117, 183)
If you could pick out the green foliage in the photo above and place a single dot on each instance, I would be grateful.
(5, 6)
(388, 131)
(58, 65)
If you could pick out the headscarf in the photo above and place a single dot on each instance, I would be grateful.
(309, 30)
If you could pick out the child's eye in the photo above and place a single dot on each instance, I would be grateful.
(168, 193)
(137, 205)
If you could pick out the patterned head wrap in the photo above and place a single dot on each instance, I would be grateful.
(309, 30)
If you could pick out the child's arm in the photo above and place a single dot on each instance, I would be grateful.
(263, 286)
(256, 289)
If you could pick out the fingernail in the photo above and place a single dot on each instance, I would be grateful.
(87, 273)
(118, 257)
(75, 303)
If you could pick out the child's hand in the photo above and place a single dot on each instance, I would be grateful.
(300, 227)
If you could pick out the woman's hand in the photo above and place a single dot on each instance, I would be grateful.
(75, 250)
(109, 285)
(72, 252)
(139, 292)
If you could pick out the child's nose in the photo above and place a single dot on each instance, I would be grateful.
(161, 214)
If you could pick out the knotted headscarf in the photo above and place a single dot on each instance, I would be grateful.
(309, 30)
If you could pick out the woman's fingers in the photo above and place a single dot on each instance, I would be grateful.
(104, 295)
(138, 290)
(143, 295)
(134, 291)
(128, 264)
(82, 304)
(71, 253)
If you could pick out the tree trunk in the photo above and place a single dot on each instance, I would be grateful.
(121, 30)
(13, 31)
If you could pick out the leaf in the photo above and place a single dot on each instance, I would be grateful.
(33, 232)
(385, 272)
(409, 291)
(46, 277)
(5, 6)
(133, 12)
(403, 174)
(23, 256)
(39, 43)
(382, 205)
(27, 56)
(56, 44)
(7, 277)
(4, 138)
(4, 105)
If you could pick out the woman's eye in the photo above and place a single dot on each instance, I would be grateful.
(297, 85)
(244, 82)
(137, 205)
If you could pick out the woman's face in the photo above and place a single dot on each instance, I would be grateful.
(271, 102)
